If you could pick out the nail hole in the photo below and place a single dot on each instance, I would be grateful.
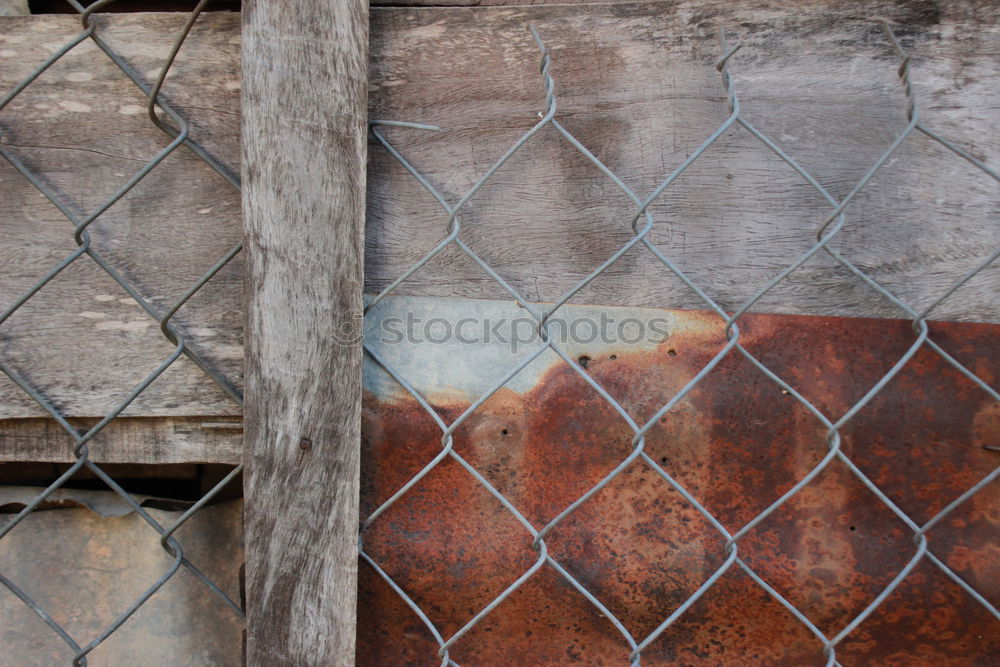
(671, 353)
(584, 360)
(663, 460)
(503, 432)
(852, 528)
(613, 357)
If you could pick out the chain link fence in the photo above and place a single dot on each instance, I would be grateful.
(633, 645)
(163, 117)
(544, 316)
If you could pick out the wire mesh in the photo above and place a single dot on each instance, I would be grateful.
(177, 129)
(641, 221)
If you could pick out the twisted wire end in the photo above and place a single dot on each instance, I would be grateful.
(727, 52)
(543, 67)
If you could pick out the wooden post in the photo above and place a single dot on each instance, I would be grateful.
(304, 155)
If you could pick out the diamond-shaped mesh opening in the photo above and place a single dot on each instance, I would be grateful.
(546, 621)
(84, 562)
(85, 315)
(832, 362)
(583, 238)
(933, 614)
(960, 199)
(830, 549)
(638, 547)
(908, 433)
(735, 464)
(488, 549)
(58, 152)
(388, 630)
(735, 620)
(963, 541)
(563, 439)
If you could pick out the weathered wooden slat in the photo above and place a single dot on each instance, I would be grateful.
(635, 84)
(156, 440)
(304, 151)
(82, 127)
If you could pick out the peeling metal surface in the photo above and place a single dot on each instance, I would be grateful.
(737, 442)
(13, 499)
(86, 564)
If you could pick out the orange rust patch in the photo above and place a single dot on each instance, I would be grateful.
(736, 442)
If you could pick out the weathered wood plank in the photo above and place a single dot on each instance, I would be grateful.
(304, 150)
(635, 84)
(157, 440)
(82, 127)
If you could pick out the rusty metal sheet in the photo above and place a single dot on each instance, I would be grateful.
(85, 557)
(736, 442)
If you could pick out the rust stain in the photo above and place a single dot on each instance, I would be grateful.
(736, 442)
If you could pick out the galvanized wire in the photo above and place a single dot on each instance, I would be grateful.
(641, 222)
(79, 439)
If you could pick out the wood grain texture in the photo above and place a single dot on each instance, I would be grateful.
(155, 440)
(635, 84)
(304, 152)
(82, 128)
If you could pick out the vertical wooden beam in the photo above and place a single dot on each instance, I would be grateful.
(304, 152)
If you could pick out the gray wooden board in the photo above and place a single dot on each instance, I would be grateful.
(82, 127)
(635, 84)
(488, 3)
(304, 132)
(157, 440)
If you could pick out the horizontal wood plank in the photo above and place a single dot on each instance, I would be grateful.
(635, 84)
(127, 440)
(81, 126)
